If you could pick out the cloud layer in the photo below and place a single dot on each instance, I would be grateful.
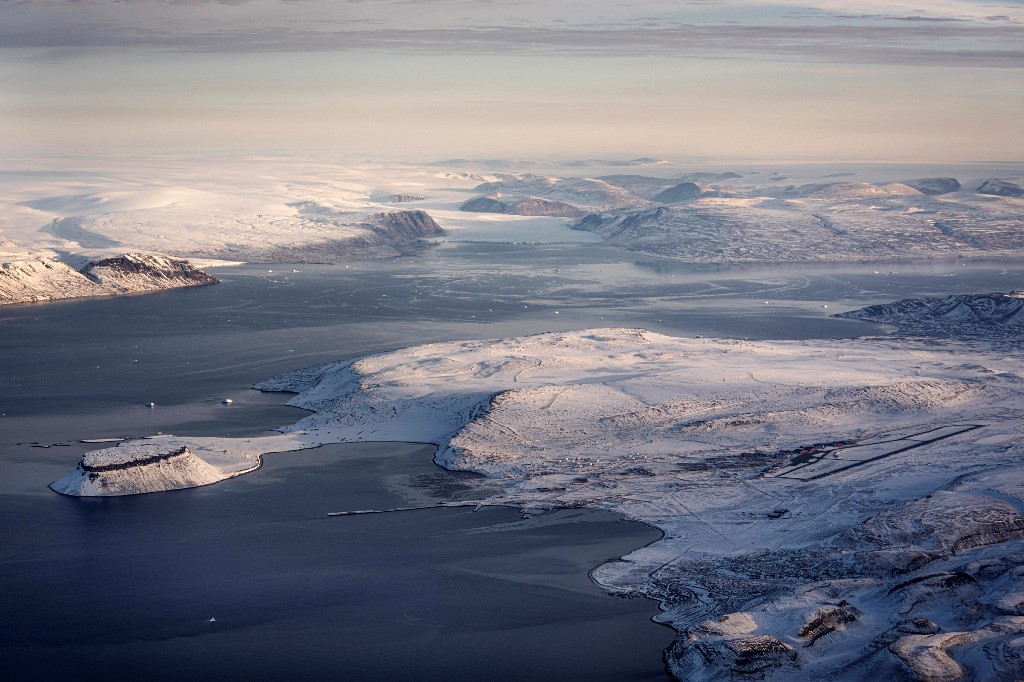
(950, 33)
(911, 79)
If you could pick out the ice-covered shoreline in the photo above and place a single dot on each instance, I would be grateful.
(789, 478)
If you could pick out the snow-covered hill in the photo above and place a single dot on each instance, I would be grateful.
(139, 272)
(964, 316)
(849, 507)
(165, 468)
(935, 186)
(1000, 188)
(26, 281)
(519, 205)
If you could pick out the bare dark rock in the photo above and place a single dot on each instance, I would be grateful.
(149, 271)
(135, 463)
(826, 620)
(755, 654)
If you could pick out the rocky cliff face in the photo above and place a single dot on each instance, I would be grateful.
(29, 281)
(135, 272)
(404, 227)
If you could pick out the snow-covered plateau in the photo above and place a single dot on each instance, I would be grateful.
(842, 508)
(208, 211)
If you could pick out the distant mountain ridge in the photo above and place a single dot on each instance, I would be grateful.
(683, 218)
(818, 222)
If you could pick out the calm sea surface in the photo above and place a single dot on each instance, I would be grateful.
(128, 586)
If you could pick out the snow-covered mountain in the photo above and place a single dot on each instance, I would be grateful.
(697, 218)
(1000, 188)
(26, 281)
(526, 194)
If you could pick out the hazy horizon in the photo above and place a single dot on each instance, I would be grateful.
(909, 82)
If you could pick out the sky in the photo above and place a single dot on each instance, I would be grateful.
(941, 80)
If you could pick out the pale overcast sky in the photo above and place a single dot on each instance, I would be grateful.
(939, 81)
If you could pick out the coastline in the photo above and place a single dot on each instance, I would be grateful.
(603, 478)
(460, 590)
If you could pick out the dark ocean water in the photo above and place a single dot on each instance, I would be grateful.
(124, 587)
(127, 587)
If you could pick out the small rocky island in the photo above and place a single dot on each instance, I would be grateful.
(177, 466)
(165, 462)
